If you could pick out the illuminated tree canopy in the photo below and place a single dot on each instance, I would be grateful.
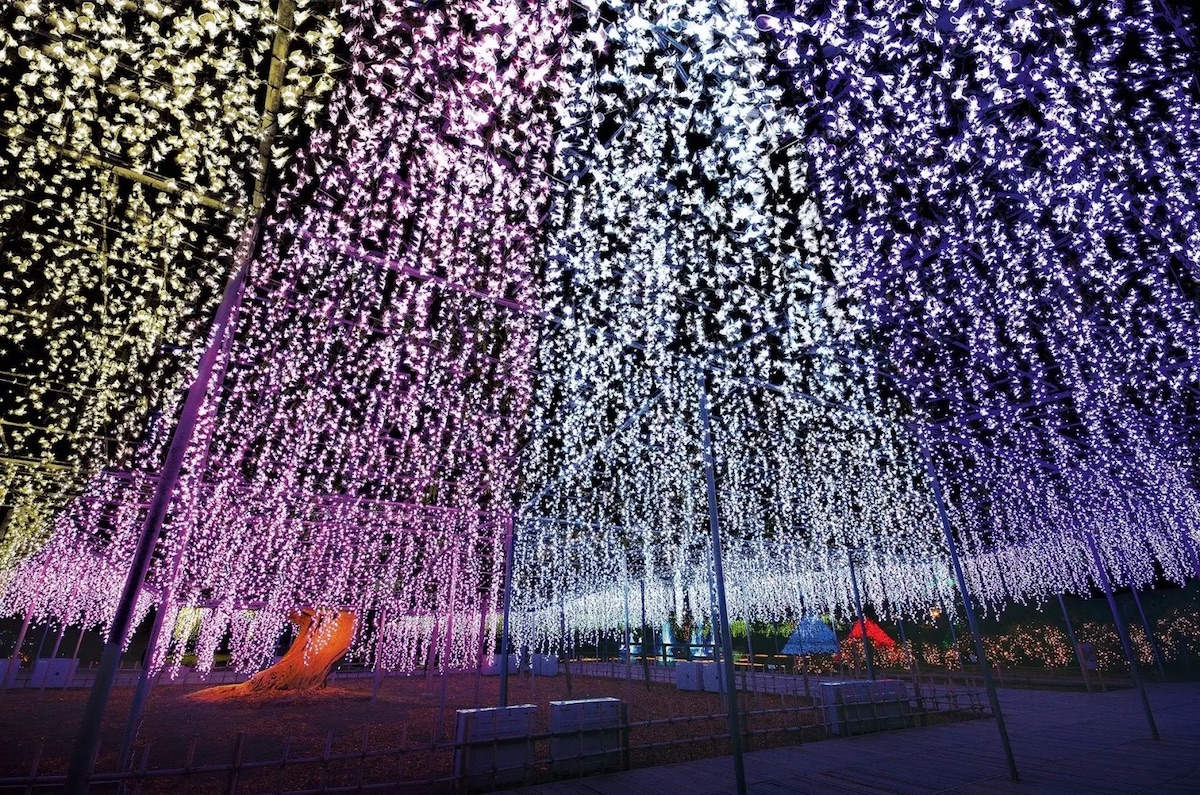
(1015, 188)
(131, 153)
(493, 248)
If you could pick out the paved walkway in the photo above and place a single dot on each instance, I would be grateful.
(1096, 743)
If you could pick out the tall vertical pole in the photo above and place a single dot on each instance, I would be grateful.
(1191, 551)
(628, 644)
(912, 659)
(953, 634)
(510, 537)
(564, 645)
(381, 628)
(749, 655)
(800, 613)
(480, 649)
(645, 632)
(62, 630)
(142, 694)
(862, 620)
(146, 681)
(87, 742)
(993, 699)
(41, 643)
(435, 637)
(710, 477)
(1126, 646)
(837, 643)
(715, 621)
(448, 642)
(1155, 652)
(14, 662)
(447, 647)
(75, 653)
(1075, 644)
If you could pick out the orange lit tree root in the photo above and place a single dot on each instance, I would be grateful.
(321, 640)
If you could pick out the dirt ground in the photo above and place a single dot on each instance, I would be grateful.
(404, 735)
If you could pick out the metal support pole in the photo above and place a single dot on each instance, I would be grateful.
(564, 646)
(142, 694)
(1155, 652)
(146, 683)
(87, 742)
(800, 636)
(431, 653)
(510, 543)
(993, 699)
(1075, 644)
(837, 643)
(75, 652)
(710, 477)
(1191, 552)
(480, 650)
(645, 631)
(1126, 646)
(447, 645)
(14, 662)
(912, 659)
(62, 630)
(37, 655)
(715, 640)
(377, 679)
(628, 644)
(862, 620)
(750, 656)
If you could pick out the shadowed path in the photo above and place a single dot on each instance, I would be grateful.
(1064, 743)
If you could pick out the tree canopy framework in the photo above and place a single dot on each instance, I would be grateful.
(131, 154)
(684, 237)
(373, 383)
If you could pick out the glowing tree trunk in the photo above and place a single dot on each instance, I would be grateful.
(322, 639)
